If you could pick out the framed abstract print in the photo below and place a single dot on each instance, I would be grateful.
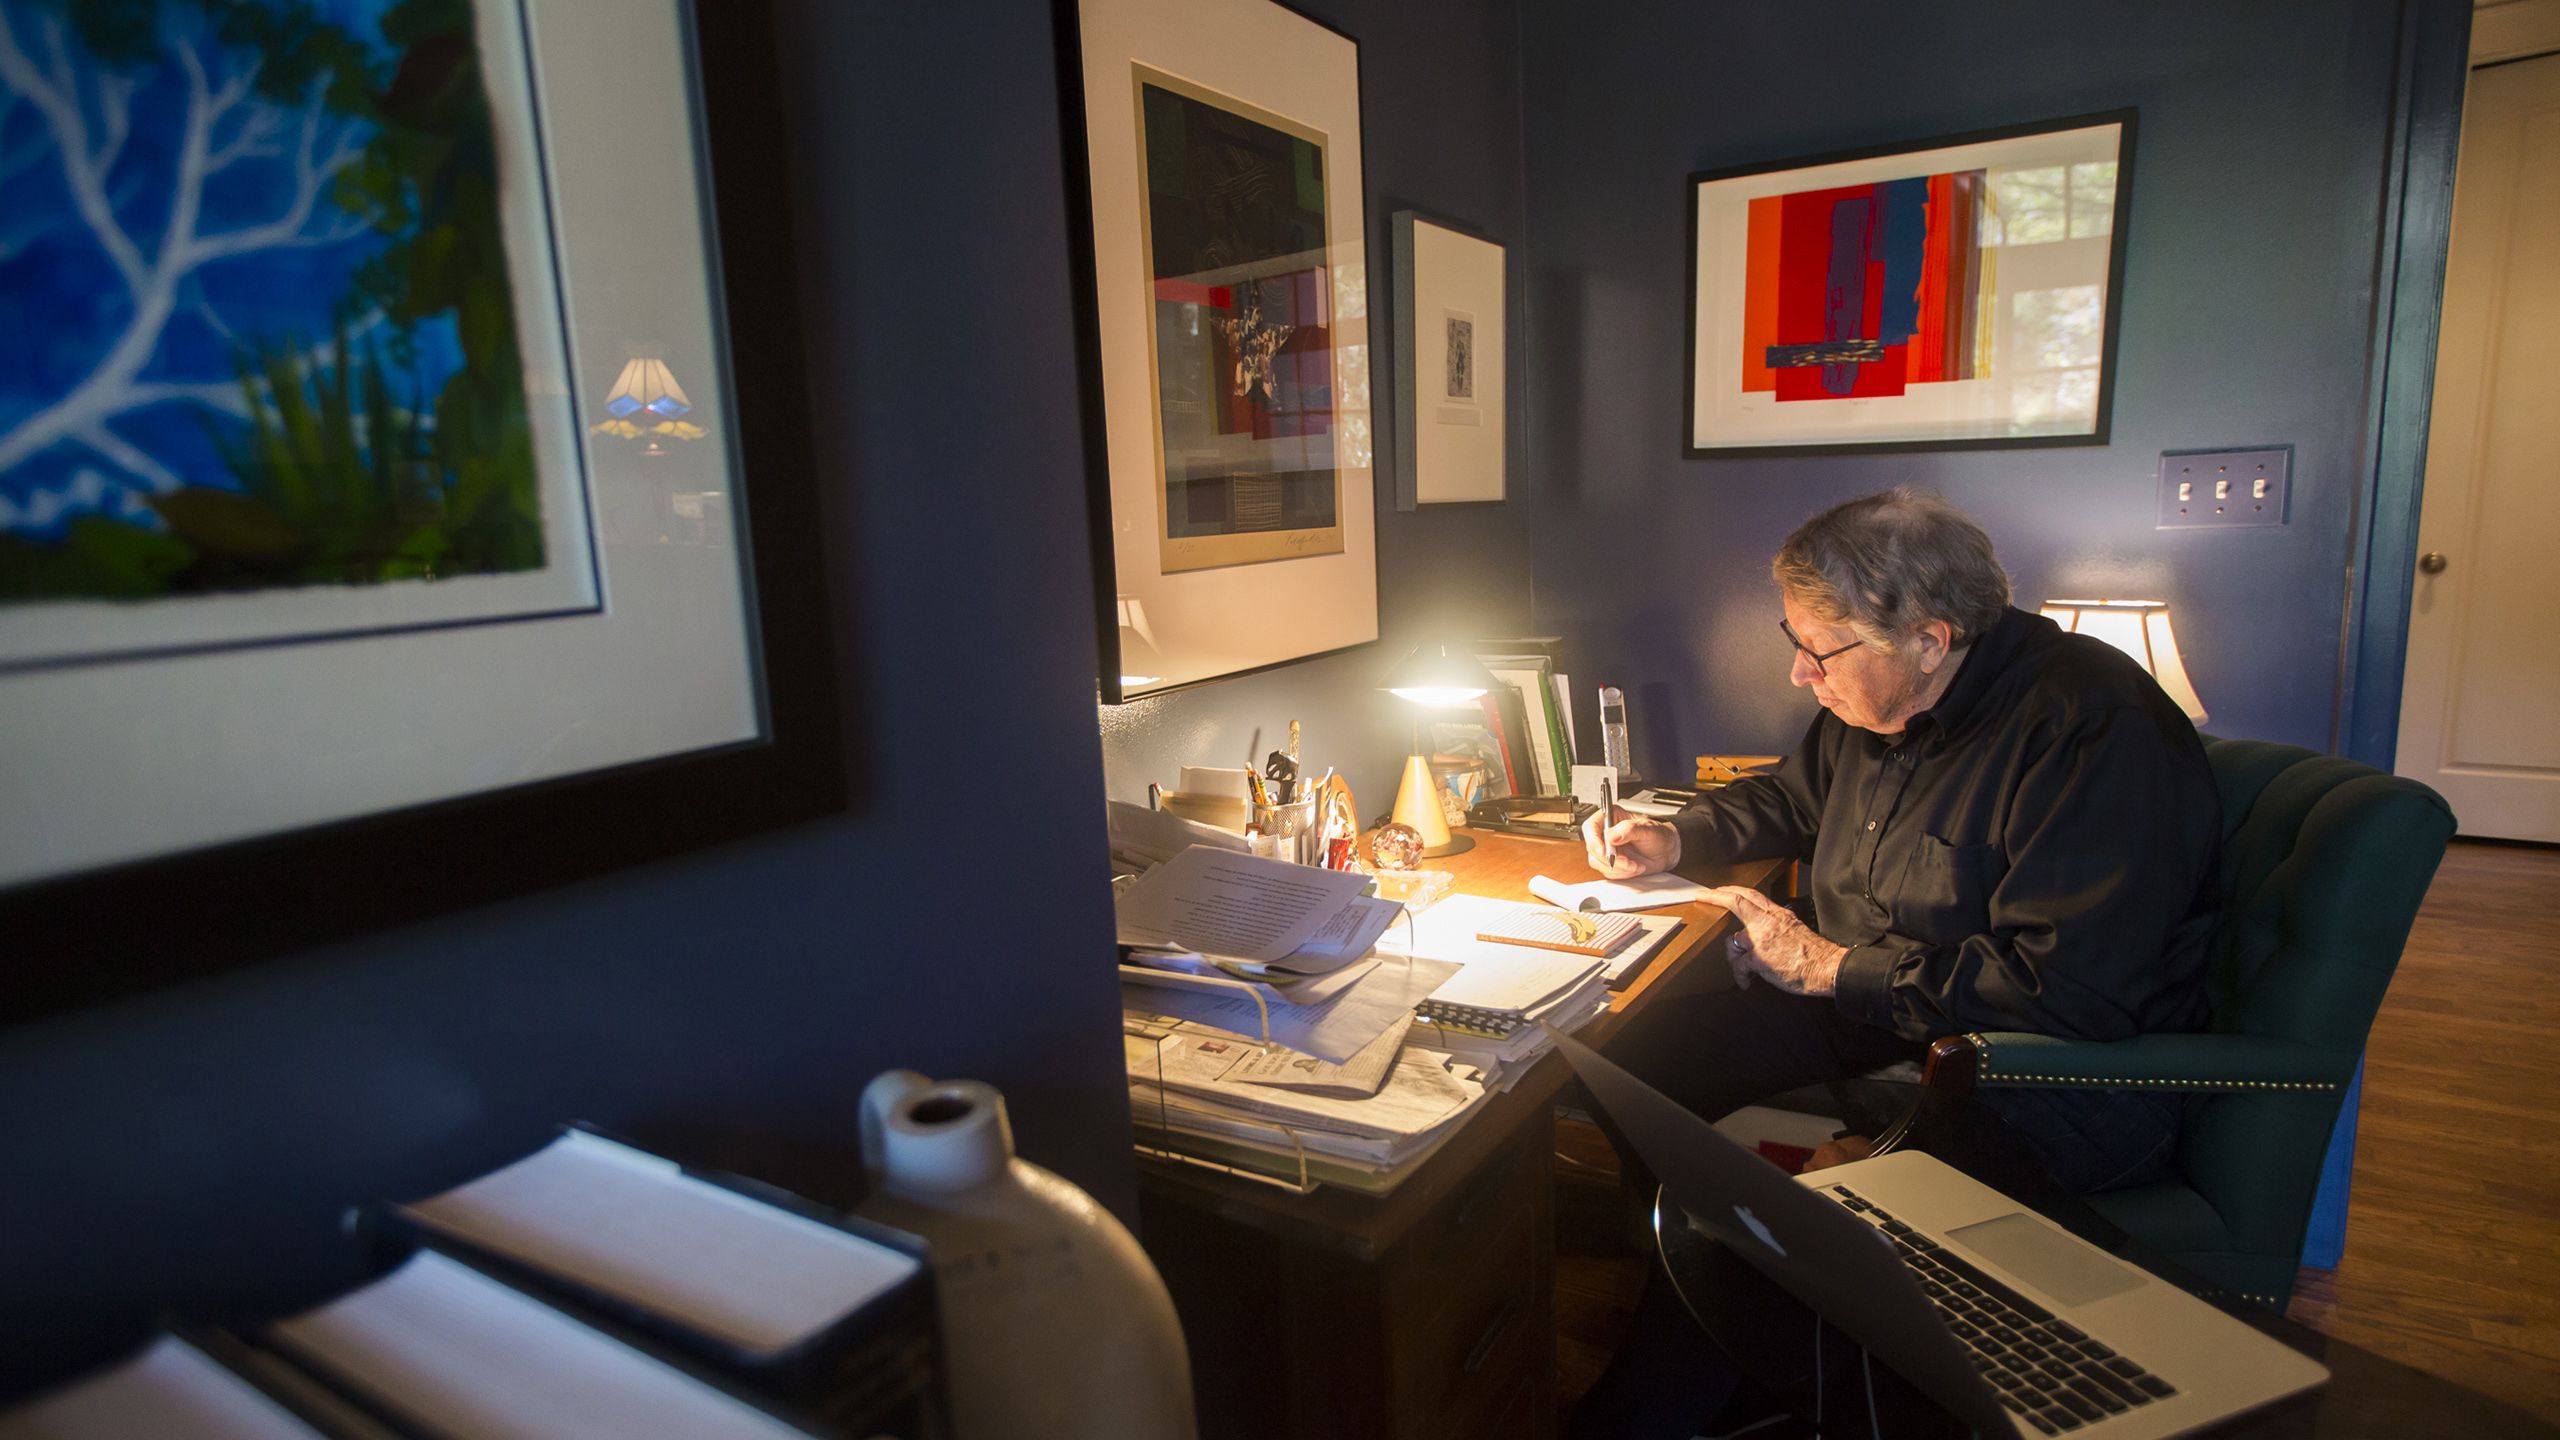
(1957, 293)
(1452, 363)
(375, 469)
(1215, 197)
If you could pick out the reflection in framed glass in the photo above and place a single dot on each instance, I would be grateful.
(1956, 293)
(1216, 209)
(465, 545)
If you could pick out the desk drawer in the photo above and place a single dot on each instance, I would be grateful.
(1476, 1301)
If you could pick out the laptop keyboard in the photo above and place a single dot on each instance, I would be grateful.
(2046, 1370)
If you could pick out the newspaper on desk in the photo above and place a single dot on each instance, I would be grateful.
(1200, 1077)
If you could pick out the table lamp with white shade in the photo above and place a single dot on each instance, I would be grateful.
(1433, 677)
(2139, 628)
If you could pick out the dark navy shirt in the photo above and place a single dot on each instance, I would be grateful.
(2034, 852)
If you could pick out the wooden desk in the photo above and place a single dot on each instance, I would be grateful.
(1426, 1312)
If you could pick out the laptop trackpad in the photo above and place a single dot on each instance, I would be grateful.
(2054, 1263)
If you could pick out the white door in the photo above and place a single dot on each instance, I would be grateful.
(2480, 701)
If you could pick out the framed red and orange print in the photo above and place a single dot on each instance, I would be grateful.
(1957, 293)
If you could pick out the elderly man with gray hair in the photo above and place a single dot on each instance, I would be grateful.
(2003, 827)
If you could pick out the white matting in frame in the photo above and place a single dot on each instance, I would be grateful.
(1451, 365)
(2037, 347)
(83, 631)
(1264, 62)
(124, 760)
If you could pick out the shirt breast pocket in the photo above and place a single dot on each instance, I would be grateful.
(1946, 890)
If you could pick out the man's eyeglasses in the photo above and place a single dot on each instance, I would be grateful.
(1808, 652)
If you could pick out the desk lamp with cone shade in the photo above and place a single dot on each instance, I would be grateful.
(1433, 677)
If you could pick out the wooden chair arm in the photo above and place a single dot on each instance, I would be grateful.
(1951, 1066)
(1946, 1081)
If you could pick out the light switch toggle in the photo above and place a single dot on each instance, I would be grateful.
(2185, 502)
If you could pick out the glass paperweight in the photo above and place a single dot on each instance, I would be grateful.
(1415, 889)
(1395, 846)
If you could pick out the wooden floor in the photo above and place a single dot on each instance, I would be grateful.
(2453, 1237)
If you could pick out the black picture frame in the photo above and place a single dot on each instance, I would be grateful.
(117, 932)
(1094, 388)
(2111, 328)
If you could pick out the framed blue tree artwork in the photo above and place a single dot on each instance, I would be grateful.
(277, 385)
(374, 466)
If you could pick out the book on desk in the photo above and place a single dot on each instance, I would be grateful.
(590, 1288)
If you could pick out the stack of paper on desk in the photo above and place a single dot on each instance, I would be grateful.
(1501, 1040)
(1195, 1078)
(1503, 992)
(1335, 1029)
(1146, 965)
(1256, 916)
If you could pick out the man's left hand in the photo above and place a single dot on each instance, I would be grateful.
(1781, 949)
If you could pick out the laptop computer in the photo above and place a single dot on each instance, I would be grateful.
(2015, 1325)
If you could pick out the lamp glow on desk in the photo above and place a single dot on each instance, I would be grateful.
(1433, 677)
(2139, 628)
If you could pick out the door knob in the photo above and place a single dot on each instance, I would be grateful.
(2432, 562)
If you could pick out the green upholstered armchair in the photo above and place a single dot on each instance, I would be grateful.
(2324, 862)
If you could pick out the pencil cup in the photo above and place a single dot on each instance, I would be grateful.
(1286, 832)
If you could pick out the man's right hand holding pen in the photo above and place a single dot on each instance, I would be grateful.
(1643, 846)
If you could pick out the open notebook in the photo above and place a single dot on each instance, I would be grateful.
(1498, 994)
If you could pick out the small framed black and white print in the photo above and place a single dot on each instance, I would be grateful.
(1450, 291)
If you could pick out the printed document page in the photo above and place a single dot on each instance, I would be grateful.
(1245, 907)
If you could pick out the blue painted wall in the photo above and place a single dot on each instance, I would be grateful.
(2248, 304)
(196, 1148)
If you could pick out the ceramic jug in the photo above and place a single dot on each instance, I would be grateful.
(1055, 1325)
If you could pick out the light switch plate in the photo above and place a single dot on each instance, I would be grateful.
(2221, 489)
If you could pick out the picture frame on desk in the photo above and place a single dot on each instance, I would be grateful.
(1218, 232)
(1996, 265)
(1452, 364)
(170, 816)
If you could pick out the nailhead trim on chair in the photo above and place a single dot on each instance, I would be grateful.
(1982, 1044)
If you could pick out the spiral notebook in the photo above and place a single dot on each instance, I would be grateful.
(1495, 996)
